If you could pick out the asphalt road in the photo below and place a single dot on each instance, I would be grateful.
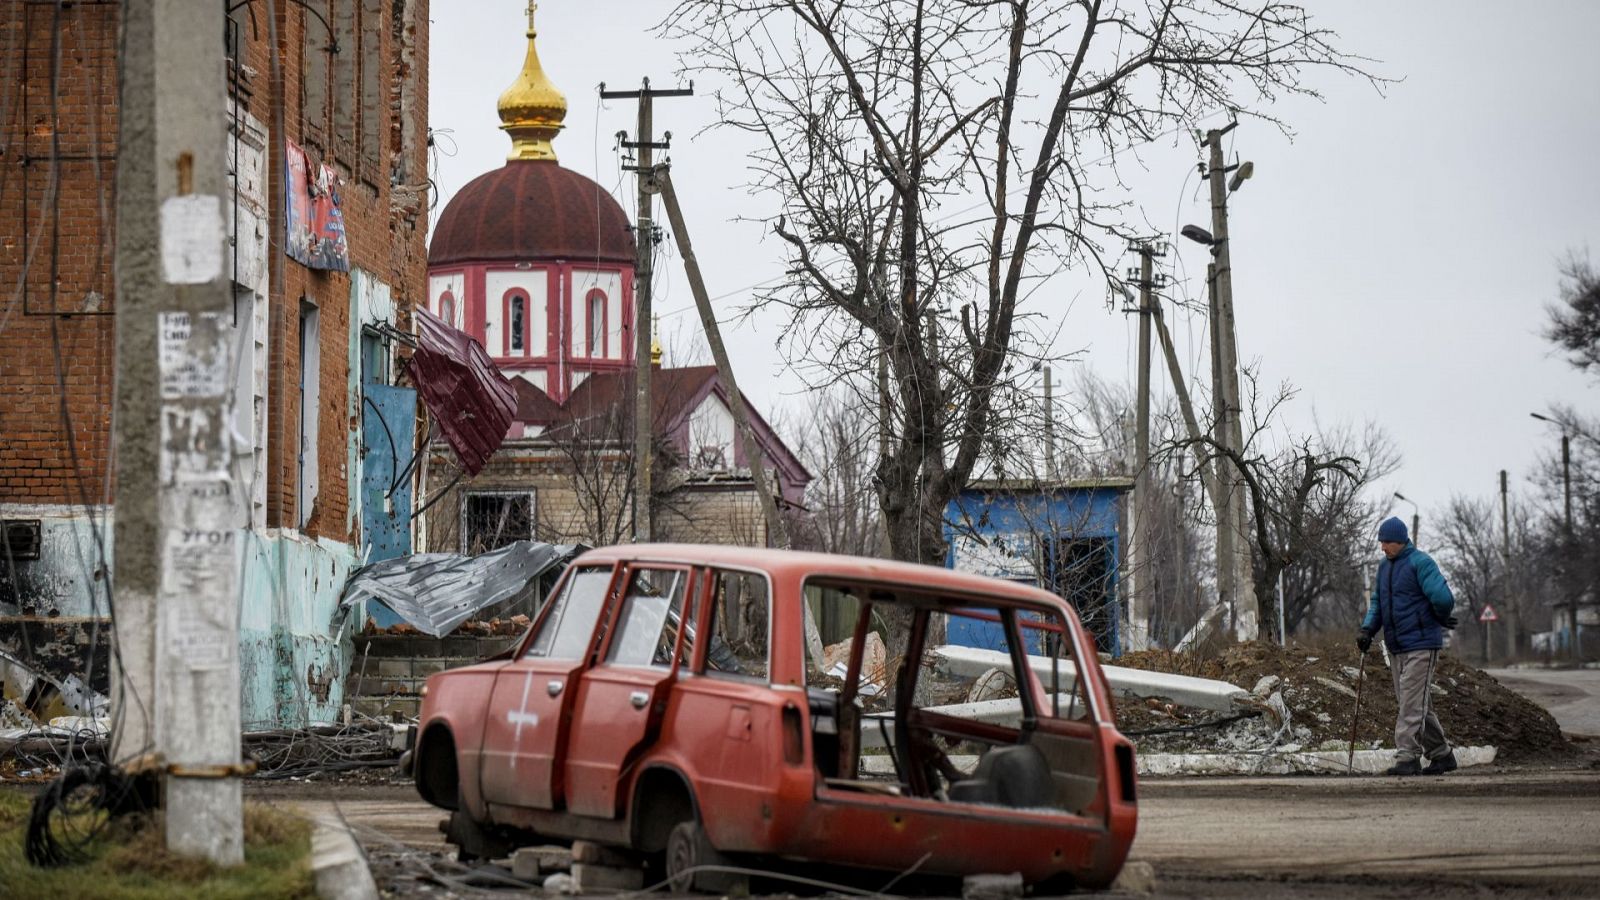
(1495, 833)
(1571, 695)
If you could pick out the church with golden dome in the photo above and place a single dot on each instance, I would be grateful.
(535, 262)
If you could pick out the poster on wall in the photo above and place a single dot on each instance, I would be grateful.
(316, 226)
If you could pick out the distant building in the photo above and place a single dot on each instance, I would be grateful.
(536, 262)
(327, 131)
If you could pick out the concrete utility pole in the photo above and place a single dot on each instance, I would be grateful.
(1574, 646)
(178, 511)
(1505, 561)
(1140, 604)
(644, 234)
(1225, 350)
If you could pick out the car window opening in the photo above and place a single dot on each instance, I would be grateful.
(945, 738)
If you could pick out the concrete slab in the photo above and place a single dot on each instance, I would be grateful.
(1305, 762)
(1201, 693)
(338, 867)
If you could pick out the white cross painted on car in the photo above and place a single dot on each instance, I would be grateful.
(521, 717)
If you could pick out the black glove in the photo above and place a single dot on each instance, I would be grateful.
(1363, 641)
(1449, 621)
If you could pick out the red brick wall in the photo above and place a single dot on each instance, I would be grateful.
(71, 254)
(386, 226)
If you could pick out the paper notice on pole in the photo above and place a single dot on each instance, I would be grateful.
(191, 239)
(199, 578)
(186, 370)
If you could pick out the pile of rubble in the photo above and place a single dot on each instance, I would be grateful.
(1316, 688)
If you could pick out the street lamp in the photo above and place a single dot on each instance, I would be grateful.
(1416, 516)
(1566, 522)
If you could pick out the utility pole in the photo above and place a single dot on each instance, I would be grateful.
(1050, 470)
(178, 512)
(1139, 593)
(1226, 353)
(645, 236)
(1505, 556)
(1575, 650)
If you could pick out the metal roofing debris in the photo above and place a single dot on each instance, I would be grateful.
(463, 390)
(438, 591)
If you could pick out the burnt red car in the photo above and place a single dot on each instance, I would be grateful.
(664, 702)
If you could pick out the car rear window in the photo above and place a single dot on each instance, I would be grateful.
(650, 617)
(569, 626)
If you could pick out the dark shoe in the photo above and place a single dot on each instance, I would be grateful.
(1445, 763)
(1404, 767)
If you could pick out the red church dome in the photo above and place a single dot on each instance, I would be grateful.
(532, 209)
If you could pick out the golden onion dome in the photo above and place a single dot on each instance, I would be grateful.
(531, 109)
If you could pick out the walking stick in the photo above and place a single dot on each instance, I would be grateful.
(1355, 718)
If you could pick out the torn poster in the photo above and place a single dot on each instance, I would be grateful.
(315, 225)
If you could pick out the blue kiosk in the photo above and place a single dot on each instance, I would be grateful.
(1061, 536)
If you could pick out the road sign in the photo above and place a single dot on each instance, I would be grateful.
(1488, 614)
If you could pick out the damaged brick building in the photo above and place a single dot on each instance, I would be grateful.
(327, 148)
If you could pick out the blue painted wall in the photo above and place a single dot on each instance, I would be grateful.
(1011, 534)
(294, 646)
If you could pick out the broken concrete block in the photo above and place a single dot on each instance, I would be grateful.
(1136, 878)
(1266, 685)
(525, 864)
(601, 855)
(560, 883)
(550, 858)
(990, 685)
(992, 887)
(1332, 685)
(587, 877)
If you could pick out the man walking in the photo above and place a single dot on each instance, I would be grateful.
(1413, 606)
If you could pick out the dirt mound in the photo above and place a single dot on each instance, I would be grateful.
(1318, 685)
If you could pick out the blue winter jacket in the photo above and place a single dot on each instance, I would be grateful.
(1409, 602)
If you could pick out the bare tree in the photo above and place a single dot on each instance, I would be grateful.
(842, 507)
(1575, 321)
(929, 163)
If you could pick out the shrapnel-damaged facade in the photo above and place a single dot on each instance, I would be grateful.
(536, 262)
(327, 146)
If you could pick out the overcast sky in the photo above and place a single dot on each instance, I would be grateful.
(1393, 260)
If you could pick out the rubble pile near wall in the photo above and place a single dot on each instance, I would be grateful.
(1317, 685)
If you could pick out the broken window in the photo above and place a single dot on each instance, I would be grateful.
(493, 519)
(597, 324)
(516, 340)
(652, 614)
(740, 617)
(568, 624)
(1008, 726)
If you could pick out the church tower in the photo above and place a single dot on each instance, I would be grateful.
(533, 260)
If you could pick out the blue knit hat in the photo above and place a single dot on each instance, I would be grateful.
(1394, 530)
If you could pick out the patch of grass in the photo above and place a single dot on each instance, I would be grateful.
(129, 860)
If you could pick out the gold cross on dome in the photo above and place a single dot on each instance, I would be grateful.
(532, 8)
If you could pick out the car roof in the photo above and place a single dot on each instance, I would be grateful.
(797, 563)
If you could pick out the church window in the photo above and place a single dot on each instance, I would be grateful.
(517, 330)
(447, 308)
(597, 324)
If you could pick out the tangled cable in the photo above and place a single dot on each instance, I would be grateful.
(76, 807)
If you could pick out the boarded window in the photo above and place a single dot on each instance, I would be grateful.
(317, 49)
(372, 101)
(345, 70)
(597, 324)
(493, 520)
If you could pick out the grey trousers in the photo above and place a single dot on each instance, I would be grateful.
(1417, 731)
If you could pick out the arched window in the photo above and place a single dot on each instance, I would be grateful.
(516, 330)
(597, 324)
(447, 308)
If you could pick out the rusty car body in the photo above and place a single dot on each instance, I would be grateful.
(610, 722)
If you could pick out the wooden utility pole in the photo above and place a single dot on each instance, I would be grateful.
(1050, 470)
(645, 237)
(1225, 352)
(178, 511)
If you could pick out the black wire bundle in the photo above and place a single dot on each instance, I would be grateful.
(69, 814)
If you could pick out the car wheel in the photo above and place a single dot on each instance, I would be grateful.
(688, 848)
